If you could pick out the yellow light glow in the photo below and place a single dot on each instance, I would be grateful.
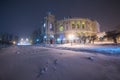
(71, 36)
(72, 22)
(14, 42)
(83, 22)
(61, 28)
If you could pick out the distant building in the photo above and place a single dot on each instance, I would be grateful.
(63, 31)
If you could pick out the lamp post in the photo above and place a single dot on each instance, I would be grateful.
(44, 40)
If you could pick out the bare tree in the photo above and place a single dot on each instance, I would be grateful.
(113, 35)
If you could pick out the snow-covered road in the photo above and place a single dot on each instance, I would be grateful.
(40, 63)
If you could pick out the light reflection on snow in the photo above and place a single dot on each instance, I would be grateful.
(24, 44)
(109, 49)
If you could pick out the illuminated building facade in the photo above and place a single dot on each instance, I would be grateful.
(61, 30)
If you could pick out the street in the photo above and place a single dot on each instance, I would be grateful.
(43, 63)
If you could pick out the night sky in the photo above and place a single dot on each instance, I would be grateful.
(21, 17)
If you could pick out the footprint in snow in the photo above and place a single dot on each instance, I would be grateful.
(17, 52)
(91, 58)
(54, 68)
(42, 71)
(61, 53)
(55, 62)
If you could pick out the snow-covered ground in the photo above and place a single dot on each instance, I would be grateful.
(49, 63)
(111, 49)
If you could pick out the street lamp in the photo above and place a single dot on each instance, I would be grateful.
(71, 38)
(21, 39)
(37, 40)
(14, 42)
(27, 39)
(44, 40)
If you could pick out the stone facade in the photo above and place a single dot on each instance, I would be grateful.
(60, 30)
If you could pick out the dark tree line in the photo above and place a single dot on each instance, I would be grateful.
(6, 38)
(113, 35)
(36, 36)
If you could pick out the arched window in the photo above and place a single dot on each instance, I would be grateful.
(83, 25)
(51, 27)
(73, 26)
(66, 26)
(61, 28)
(78, 26)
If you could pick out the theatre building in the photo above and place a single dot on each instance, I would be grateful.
(69, 29)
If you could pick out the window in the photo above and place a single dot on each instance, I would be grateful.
(78, 26)
(73, 26)
(83, 25)
(61, 28)
(66, 27)
(51, 27)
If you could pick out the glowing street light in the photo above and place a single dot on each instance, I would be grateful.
(45, 37)
(23, 42)
(37, 40)
(14, 42)
(27, 39)
(71, 36)
(44, 25)
(21, 39)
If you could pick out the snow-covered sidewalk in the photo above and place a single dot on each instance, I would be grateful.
(94, 48)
